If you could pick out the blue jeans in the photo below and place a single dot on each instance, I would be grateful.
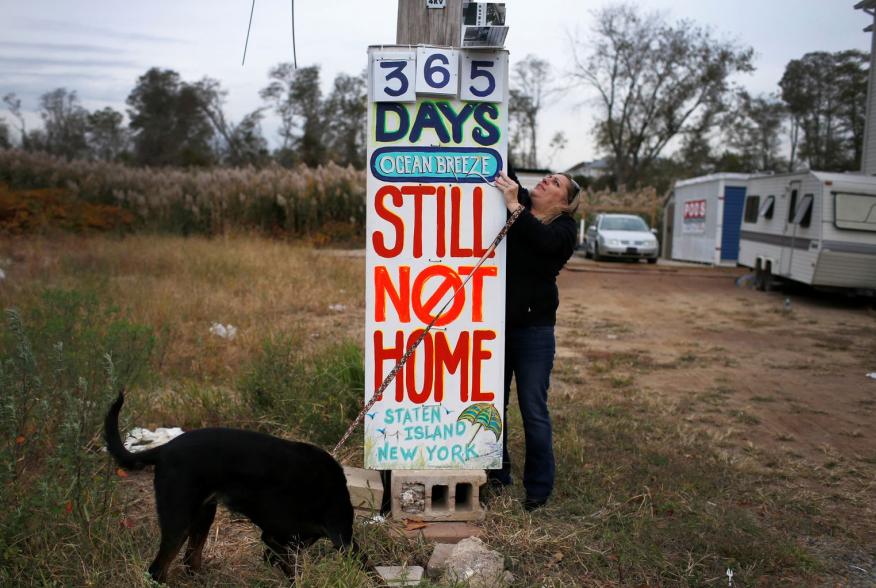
(529, 357)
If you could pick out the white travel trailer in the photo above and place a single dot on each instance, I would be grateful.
(811, 227)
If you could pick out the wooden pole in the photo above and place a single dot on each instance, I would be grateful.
(420, 25)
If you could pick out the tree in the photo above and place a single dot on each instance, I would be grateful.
(296, 97)
(344, 113)
(694, 158)
(557, 144)
(242, 143)
(13, 104)
(654, 81)
(754, 129)
(532, 87)
(518, 129)
(168, 121)
(64, 123)
(853, 74)
(5, 142)
(107, 137)
(826, 96)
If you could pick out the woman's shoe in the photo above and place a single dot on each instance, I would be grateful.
(530, 504)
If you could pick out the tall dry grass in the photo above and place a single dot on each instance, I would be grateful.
(324, 202)
(641, 499)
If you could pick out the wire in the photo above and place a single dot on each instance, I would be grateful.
(294, 52)
(246, 44)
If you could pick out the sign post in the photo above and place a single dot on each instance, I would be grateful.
(437, 138)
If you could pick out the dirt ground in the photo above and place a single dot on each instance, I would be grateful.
(797, 373)
(777, 377)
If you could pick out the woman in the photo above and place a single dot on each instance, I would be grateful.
(539, 244)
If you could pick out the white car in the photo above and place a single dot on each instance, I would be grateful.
(622, 236)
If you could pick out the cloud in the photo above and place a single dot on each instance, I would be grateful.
(58, 26)
(40, 62)
(58, 47)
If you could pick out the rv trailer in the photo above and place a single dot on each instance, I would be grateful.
(811, 227)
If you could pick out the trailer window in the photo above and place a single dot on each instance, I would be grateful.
(766, 209)
(751, 206)
(792, 206)
(804, 212)
(855, 211)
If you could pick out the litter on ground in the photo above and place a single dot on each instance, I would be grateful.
(225, 331)
(142, 439)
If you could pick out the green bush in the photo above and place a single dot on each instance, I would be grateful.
(61, 362)
(317, 395)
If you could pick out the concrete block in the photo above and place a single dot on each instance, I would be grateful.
(444, 532)
(400, 575)
(366, 488)
(438, 560)
(437, 495)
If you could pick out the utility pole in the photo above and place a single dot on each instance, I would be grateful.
(419, 24)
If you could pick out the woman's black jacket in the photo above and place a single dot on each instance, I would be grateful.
(536, 254)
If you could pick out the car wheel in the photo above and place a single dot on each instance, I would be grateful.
(596, 256)
(652, 260)
(587, 254)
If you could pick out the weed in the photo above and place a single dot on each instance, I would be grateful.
(61, 361)
(319, 398)
(745, 418)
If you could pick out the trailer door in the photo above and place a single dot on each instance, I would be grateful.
(734, 200)
(788, 233)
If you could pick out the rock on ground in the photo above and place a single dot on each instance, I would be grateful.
(473, 562)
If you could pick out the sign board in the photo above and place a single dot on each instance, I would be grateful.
(483, 24)
(437, 138)
(694, 216)
(436, 3)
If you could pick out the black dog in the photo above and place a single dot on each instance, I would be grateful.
(295, 492)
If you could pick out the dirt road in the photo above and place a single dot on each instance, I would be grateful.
(790, 379)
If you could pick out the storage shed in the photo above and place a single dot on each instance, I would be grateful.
(703, 218)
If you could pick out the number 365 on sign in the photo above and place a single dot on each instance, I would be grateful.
(400, 74)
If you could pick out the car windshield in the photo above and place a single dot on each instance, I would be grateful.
(623, 223)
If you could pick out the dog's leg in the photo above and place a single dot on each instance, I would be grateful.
(277, 553)
(174, 517)
(339, 529)
(171, 543)
(198, 532)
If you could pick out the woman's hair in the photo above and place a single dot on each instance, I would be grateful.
(573, 199)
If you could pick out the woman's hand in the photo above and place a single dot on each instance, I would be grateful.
(509, 190)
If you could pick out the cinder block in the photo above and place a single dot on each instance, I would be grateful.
(437, 495)
(400, 575)
(366, 488)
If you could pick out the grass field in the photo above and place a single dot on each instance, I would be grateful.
(652, 490)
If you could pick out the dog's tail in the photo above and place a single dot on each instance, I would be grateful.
(125, 458)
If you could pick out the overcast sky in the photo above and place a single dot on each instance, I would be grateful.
(100, 47)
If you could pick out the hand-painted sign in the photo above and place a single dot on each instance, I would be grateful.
(437, 125)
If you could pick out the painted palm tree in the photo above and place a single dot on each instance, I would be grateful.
(482, 415)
